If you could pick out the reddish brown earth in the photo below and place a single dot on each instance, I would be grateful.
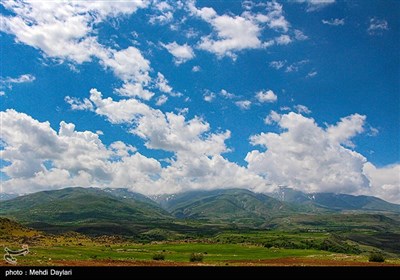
(273, 262)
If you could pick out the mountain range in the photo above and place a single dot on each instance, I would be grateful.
(98, 211)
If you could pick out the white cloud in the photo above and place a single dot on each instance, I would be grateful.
(63, 30)
(77, 104)
(173, 133)
(313, 5)
(129, 65)
(243, 104)
(312, 74)
(227, 94)
(385, 181)
(163, 85)
(168, 131)
(77, 152)
(299, 35)
(14, 127)
(8, 82)
(163, 12)
(334, 21)
(134, 90)
(266, 96)
(2, 93)
(310, 158)
(303, 156)
(278, 64)
(346, 129)
(181, 53)
(294, 67)
(272, 118)
(232, 34)
(377, 26)
(302, 109)
(283, 40)
(25, 78)
(117, 112)
(209, 96)
(52, 160)
(196, 68)
(212, 172)
(161, 100)
(274, 17)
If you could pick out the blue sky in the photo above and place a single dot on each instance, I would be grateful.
(167, 96)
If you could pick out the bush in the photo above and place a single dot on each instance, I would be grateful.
(158, 257)
(376, 257)
(196, 257)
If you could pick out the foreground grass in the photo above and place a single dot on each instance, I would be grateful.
(214, 254)
(177, 252)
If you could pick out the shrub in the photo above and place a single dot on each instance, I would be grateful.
(376, 257)
(196, 257)
(158, 257)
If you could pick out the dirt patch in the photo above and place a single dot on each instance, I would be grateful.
(273, 262)
(306, 262)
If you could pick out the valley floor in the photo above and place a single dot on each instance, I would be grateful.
(178, 254)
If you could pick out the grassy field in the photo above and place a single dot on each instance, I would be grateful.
(226, 248)
(179, 254)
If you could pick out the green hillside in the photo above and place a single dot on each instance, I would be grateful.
(233, 205)
(335, 202)
(88, 210)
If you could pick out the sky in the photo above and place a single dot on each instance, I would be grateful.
(163, 96)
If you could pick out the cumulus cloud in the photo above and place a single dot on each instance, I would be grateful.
(334, 21)
(240, 32)
(377, 26)
(299, 35)
(173, 133)
(161, 100)
(54, 159)
(314, 159)
(384, 181)
(272, 118)
(181, 53)
(196, 68)
(295, 66)
(313, 5)
(77, 104)
(166, 131)
(163, 12)
(303, 155)
(309, 157)
(224, 93)
(209, 96)
(301, 109)
(134, 90)
(243, 104)
(8, 82)
(346, 129)
(129, 65)
(266, 96)
(163, 85)
(63, 30)
(277, 64)
(283, 40)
